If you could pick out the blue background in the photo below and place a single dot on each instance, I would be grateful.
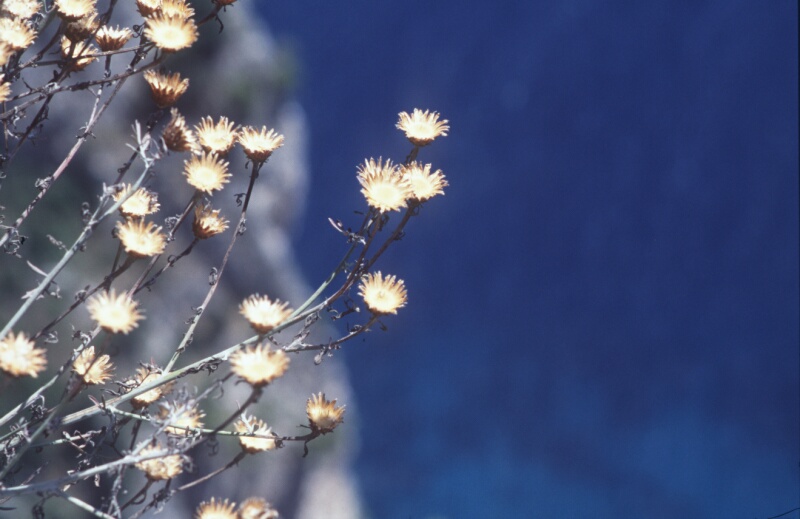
(603, 315)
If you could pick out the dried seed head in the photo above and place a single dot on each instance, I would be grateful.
(114, 313)
(257, 508)
(216, 138)
(19, 356)
(171, 33)
(383, 186)
(253, 425)
(258, 145)
(148, 7)
(112, 38)
(82, 28)
(208, 222)
(264, 314)
(145, 376)
(5, 90)
(72, 10)
(20, 9)
(140, 203)
(323, 415)
(424, 184)
(162, 468)
(177, 9)
(259, 366)
(206, 172)
(141, 239)
(166, 88)
(422, 128)
(79, 55)
(181, 418)
(92, 369)
(383, 295)
(177, 136)
(16, 34)
(214, 509)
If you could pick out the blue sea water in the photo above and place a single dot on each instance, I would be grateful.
(603, 309)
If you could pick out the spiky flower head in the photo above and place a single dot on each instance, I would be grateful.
(16, 34)
(177, 136)
(259, 366)
(422, 128)
(20, 9)
(91, 368)
(257, 508)
(141, 203)
(264, 314)
(82, 28)
(145, 375)
(382, 185)
(424, 184)
(141, 239)
(252, 425)
(112, 38)
(166, 88)
(5, 90)
(383, 295)
(182, 418)
(79, 55)
(19, 356)
(206, 172)
(148, 7)
(114, 313)
(162, 468)
(207, 222)
(214, 509)
(71, 10)
(323, 415)
(216, 138)
(171, 33)
(5, 52)
(258, 145)
(176, 9)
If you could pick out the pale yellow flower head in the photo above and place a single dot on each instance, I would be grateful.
(145, 376)
(141, 239)
(72, 10)
(216, 138)
(176, 8)
(422, 128)
(382, 185)
(19, 356)
(258, 145)
(148, 7)
(171, 33)
(383, 295)
(424, 184)
(207, 222)
(20, 9)
(79, 55)
(5, 52)
(114, 313)
(16, 34)
(214, 509)
(257, 508)
(5, 90)
(252, 425)
(181, 418)
(166, 88)
(323, 415)
(259, 366)
(162, 468)
(264, 314)
(177, 136)
(92, 369)
(141, 203)
(112, 38)
(206, 172)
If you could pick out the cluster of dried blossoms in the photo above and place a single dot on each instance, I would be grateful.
(175, 416)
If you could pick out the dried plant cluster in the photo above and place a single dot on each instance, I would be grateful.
(116, 418)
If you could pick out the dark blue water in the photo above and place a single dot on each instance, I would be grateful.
(603, 315)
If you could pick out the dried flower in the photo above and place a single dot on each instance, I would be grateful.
(112, 38)
(253, 425)
(259, 144)
(383, 295)
(259, 366)
(145, 376)
(115, 314)
(71, 10)
(5, 90)
(323, 415)
(16, 34)
(177, 136)
(422, 128)
(148, 7)
(424, 184)
(181, 418)
(206, 172)
(81, 29)
(19, 356)
(20, 9)
(93, 369)
(177, 9)
(141, 239)
(264, 314)
(207, 222)
(383, 186)
(6, 51)
(80, 55)
(166, 88)
(162, 468)
(214, 509)
(257, 508)
(171, 33)
(216, 138)
(140, 203)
